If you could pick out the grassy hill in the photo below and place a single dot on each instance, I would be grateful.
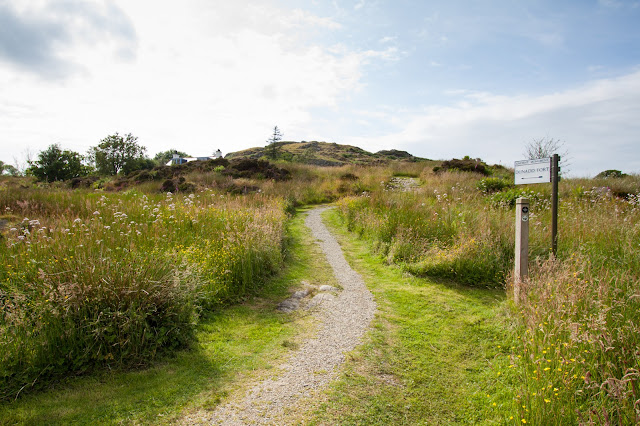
(122, 272)
(325, 154)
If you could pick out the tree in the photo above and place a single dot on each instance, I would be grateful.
(272, 148)
(546, 147)
(163, 157)
(612, 173)
(54, 164)
(10, 170)
(115, 154)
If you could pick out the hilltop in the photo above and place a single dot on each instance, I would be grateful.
(325, 154)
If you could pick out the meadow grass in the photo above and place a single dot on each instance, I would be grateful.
(573, 352)
(94, 280)
(575, 332)
(232, 345)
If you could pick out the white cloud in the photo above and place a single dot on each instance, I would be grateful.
(193, 86)
(42, 37)
(301, 18)
(597, 121)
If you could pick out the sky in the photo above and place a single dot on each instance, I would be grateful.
(440, 79)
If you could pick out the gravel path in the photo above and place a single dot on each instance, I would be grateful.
(343, 322)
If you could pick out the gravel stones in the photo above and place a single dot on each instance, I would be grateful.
(344, 320)
(318, 300)
(293, 302)
(297, 298)
(327, 288)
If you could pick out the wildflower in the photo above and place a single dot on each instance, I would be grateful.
(96, 213)
(77, 220)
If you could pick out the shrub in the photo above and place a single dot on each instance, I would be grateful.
(259, 169)
(508, 198)
(610, 174)
(492, 184)
(465, 165)
(348, 177)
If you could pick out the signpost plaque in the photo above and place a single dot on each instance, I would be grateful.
(533, 171)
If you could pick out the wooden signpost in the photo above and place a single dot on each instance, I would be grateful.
(522, 245)
(542, 170)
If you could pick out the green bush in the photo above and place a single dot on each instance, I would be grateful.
(610, 174)
(508, 198)
(465, 165)
(493, 184)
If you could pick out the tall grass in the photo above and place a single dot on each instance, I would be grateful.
(442, 230)
(579, 340)
(576, 348)
(110, 279)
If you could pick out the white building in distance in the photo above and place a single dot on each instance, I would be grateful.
(181, 160)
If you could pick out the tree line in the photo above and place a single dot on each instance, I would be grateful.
(113, 155)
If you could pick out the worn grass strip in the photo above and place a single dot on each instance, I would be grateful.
(432, 357)
(232, 345)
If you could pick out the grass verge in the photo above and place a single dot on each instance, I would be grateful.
(430, 357)
(233, 344)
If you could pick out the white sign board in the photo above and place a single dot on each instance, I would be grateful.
(533, 171)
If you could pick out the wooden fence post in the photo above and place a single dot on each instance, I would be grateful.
(522, 246)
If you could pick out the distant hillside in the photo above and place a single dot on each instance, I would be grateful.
(325, 154)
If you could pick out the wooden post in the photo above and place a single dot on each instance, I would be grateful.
(522, 246)
(554, 202)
